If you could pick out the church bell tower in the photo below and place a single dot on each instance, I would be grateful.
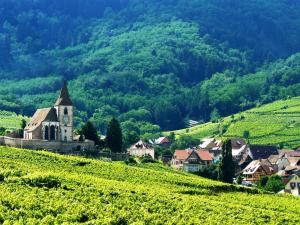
(64, 109)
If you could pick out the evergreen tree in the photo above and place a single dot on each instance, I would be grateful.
(23, 124)
(90, 132)
(226, 169)
(114, 136)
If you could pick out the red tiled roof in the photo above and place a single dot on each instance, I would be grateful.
(162, 140)
(204, 155)
(184, 154)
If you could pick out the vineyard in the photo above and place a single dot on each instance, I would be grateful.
(277, 123)
(46, 188)
(10, 120)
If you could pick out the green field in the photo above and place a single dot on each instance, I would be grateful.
(277, 123)
(46, 188)
(10, 120)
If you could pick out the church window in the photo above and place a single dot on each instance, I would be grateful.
(46, 136)
(66, 111)
(52, 132)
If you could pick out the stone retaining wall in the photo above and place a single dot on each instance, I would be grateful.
(61, 147)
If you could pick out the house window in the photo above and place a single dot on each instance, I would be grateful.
(298, 184)
(66, 111)
(65, 138)
(293, 185)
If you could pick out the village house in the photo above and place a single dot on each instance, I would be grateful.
(293, 185)
(287, 162)
(280, 162)
(191, 160)
(163, 142)
(212, 145)
(141, 148)
(51, 128)
(256, 152)
(287, 173)
(239, 147)
(258, 168)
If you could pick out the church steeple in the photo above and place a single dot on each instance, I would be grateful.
(64, 98)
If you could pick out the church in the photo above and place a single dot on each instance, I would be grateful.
(52, 129)
(55, 123)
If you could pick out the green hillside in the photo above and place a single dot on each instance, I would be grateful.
(148, 61)
(10, 120)
(277, 123)
(46, 188)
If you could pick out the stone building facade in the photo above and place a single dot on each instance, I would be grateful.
(55, 123)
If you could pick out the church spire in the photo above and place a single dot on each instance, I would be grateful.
(64, 98)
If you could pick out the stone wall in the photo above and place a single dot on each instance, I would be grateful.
(61, 147)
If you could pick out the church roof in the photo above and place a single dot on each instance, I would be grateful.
(41, 115)
(64, 98)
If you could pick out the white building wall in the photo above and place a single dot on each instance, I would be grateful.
(141, 152)
(66, 129)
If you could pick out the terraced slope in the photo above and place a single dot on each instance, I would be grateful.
(46, 188)
(277, 123)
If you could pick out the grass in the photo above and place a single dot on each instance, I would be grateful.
(277, 123)
(46, 188)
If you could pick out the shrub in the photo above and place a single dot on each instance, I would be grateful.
(131, 161)
(239, 180)
(210, 172)
(82, 163)
(246, 134)
(147, 159)
(42, 181)
(274, 184)
(1, 177)
(263, 182)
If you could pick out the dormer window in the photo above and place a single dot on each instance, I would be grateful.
(66, 111)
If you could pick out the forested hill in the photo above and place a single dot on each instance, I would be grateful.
(148, 61)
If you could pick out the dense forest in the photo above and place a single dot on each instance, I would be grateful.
(151, 63)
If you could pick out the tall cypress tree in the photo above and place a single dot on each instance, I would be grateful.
(114, 136)
(226, 167)
(90, 132)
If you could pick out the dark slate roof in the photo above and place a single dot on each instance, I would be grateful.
(41, 115)
(51, 116)
(64, 98)
(262, 151)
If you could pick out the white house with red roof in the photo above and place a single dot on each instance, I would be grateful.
(191, 160)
